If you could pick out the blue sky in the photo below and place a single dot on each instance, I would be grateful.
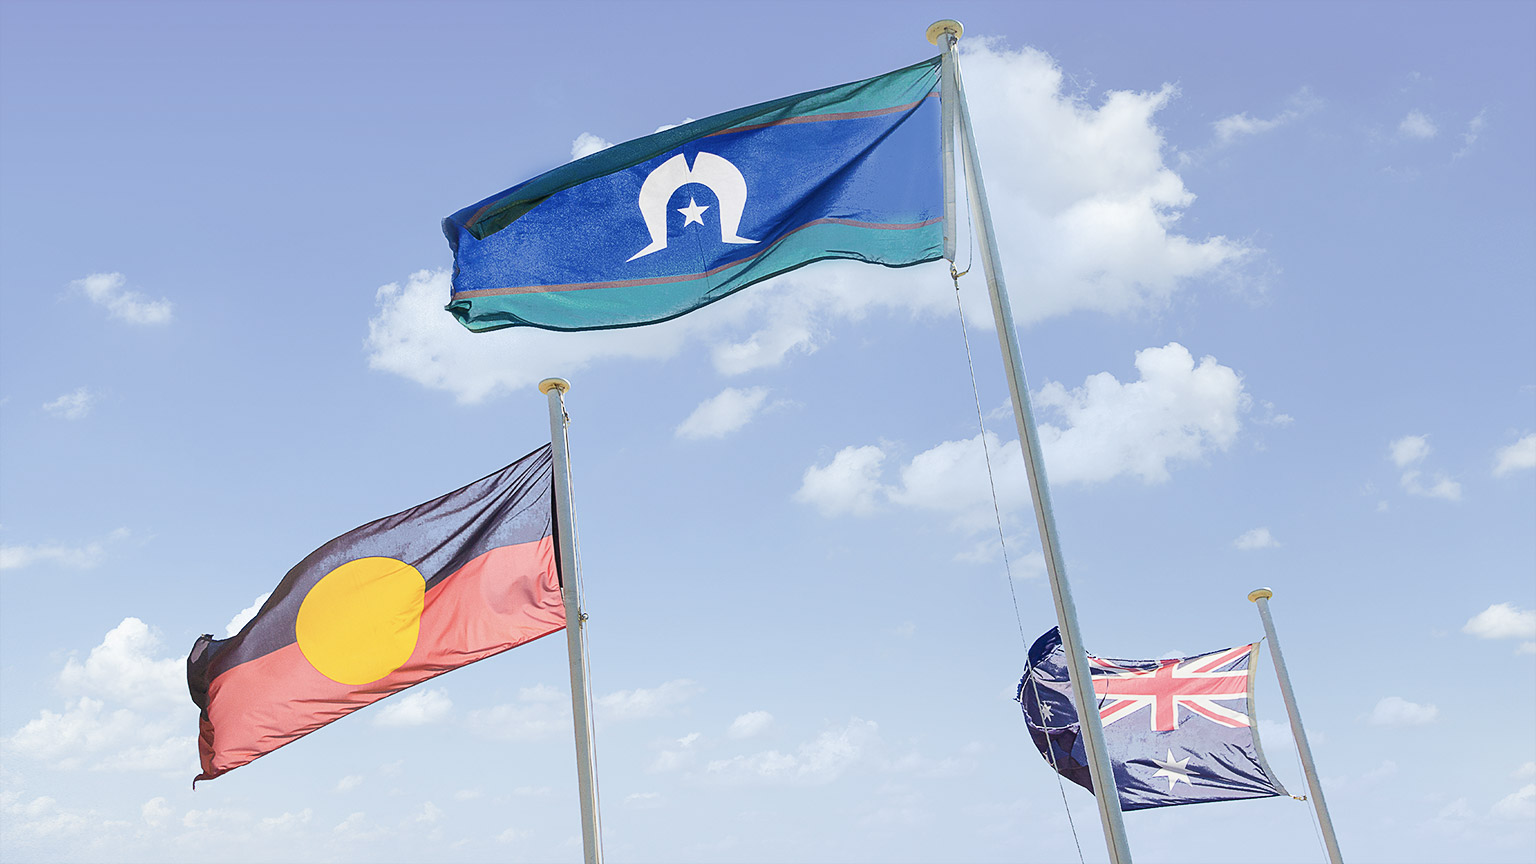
(1273, 271)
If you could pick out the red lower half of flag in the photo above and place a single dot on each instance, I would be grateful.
(506, 597)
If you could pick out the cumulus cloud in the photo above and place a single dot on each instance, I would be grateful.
(642, 703)
(244, 616)
(586, 144)
(850, 483)
(1179, 411)
(1519, 456)
(1397, 711)
(1258, 538)
(817, 762)
(1411, 450)
(73, 557)
(723, 414)
(1518, 806)
(1505, 621)
(1235, 126)
(127, 709)
(74, 405)
(107, 291)
(415, 708)
(1417, 125)
(539, 712)
(349, 782)
(124, 668)
(750, 725)
(1091, 220)
(1439, 487)
(1469, 137)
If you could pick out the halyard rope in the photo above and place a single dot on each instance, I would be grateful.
(1050, 752)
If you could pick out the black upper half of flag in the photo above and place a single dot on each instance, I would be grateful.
(1178, 730)
(509, 507)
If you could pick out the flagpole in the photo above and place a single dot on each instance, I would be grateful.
(1260, 597)
(575, 621)
(945, 34)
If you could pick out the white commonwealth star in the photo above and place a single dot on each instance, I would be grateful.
(692, 213)
(1046, 711)
(1173, 769)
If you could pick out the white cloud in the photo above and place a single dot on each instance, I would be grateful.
(850, 483)
(356, 827)
(74, 405)
(156, 812)
(429, 813)
(93, 730)
(1090, 219)
(540, 712)
(750, 725)
(1519, 805)
(245, 615)
(349, 782)
(74, 557)
(123, 668)
(586, 144)
(1441, 487)
(1235, 126)
(817, 762)
(1417, 125)
(643, 800)
(670, 759)
(641, 703)
(88, 735)
(1526, 771)
(1518, 456)
(1409, 449)
(106, 290)
(723, 414)
(287, 820)
(414, 708)
(39, 818)
(1397, 711)
(1258, 538)
(1474, 129)
(1178, 411)
(1502, 621)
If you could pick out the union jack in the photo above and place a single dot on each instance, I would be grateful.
(1199, 683)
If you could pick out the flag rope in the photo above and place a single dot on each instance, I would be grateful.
(1002, 540)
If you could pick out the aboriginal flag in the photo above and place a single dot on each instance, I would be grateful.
(380, 608)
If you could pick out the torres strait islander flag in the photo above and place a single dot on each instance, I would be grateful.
(653, 228)
(380, 608)
(1178, 730)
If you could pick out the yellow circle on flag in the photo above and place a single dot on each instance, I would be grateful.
(360, 621)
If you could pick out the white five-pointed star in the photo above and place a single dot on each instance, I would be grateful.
(1173, 769)
(692, 213)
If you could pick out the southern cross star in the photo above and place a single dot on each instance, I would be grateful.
(1173, 769)
(692, 213)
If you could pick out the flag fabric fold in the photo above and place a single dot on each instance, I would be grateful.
(380, 608)
(1178, 730)
(659, 226)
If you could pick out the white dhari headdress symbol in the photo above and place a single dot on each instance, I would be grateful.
(710, 170)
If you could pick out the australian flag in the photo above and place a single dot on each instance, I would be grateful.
(1178, 730)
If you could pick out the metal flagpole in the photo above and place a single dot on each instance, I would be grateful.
(1260, 597)
(945, 34)
(575, 621)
